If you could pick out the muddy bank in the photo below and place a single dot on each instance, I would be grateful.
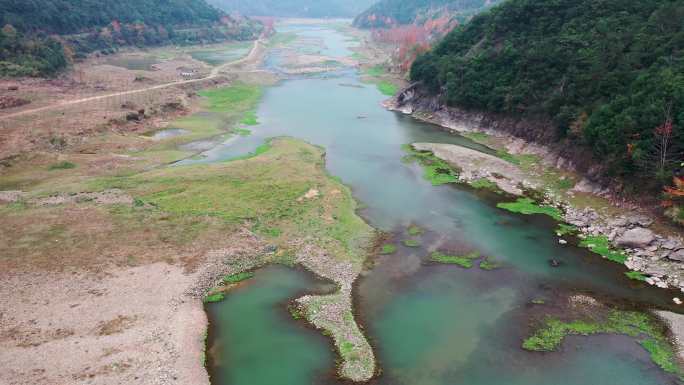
(656, 254)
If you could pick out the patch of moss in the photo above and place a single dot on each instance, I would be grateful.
(250, 119)
(236, 278)
(296, 312)
(62, 166)
(601, 245)
(414, 230)
(465, 261)
(376, 71)
(411, 243)
(387, 88)
(484, 184)
(565, 229)
(242, 131)
(528, 207)
(437, 171)
(634, 324)
(388, 249)
(636, 275)
(217, 297)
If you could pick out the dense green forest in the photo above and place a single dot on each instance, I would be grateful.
(387, 13)
(295, 8)
(73, 16)
(28, 46)
(608, 73)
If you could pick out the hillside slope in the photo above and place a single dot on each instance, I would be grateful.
(389, 13)
(607, 75)
(72, 16)
(36, 32)
(295, 8)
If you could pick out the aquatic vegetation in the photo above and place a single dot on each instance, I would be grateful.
(476, 136)
(414, 230)
(237, 278)
(634, 324)
(411, 243)
(242, 131)
(217, 297)
(250, 119)
(636, 275)
(388, 249)
(387, 88)
(600, 244)
(62, 166)
(565, 229)
(437, 171)
(375, 71)
(484, 184)
(528, 207)
(489, 264)
(465, 261)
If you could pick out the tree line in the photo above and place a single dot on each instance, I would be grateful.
(609, 74)
(41, 37)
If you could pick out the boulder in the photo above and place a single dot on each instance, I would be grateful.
(677, 255)
(636, 237)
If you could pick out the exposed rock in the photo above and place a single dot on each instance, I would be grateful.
(474, 165)
(677, 255)
(636, 237)
(10, 196)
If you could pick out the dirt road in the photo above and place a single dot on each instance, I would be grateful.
(215, 72)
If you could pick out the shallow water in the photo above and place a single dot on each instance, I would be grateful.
(443, 324)
(258, 342)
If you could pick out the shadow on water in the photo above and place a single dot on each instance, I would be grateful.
(434, 324)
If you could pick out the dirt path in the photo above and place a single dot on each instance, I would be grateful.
(215, 72)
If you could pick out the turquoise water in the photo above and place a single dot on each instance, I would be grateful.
(258, 342)
(443, 324)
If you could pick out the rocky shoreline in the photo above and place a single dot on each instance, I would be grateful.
(660, 257)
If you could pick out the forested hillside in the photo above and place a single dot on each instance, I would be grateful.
(609, 74)
(389, 13)
(36, 32)
(295, 8)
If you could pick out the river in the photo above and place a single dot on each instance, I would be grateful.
(429, 324)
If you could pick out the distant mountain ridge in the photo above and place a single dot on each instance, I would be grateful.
(295, 8)
(391, 13)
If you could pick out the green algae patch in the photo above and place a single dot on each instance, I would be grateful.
(484, 184)
(640, 326)
(388, 249)
(489, 264)
(62, 166)
(465, 261)
(437, 171)
(387, 88)
(528, 206)
(250, 119)
(237, 278)
(235, 96)
(414, 230)
(212, 298)
(565, 229)
(411, 243)
(636, 275)
(600, 244)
